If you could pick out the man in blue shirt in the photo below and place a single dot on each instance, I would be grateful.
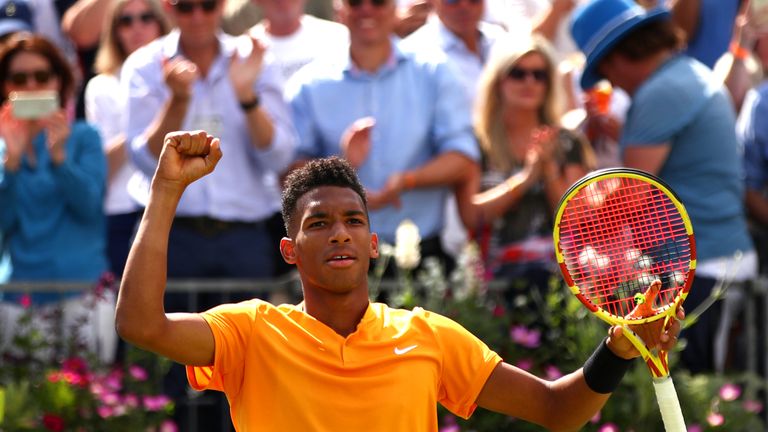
(402, 119)
(681, 127)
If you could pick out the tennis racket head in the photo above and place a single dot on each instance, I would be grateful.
(616, 231)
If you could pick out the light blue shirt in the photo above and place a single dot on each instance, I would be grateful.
(421, 111)
(683, 105)
(435, 35)
(244, 186)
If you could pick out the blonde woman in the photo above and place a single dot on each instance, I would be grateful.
(130, 25)
(528, 161)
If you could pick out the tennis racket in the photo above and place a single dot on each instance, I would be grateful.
(626, 249)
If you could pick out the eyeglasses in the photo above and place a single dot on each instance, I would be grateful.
(520, 74)
(358, 3)
(187, 6)
(455, 2)
(41, 76)
(127, 20)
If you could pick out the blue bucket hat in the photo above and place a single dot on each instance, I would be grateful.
(15, 15)
(599, 25)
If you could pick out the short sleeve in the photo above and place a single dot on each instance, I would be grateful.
(231, 325)
(666, 103)
(467, 364)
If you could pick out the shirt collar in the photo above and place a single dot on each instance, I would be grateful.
(171, 47)
(395, 57)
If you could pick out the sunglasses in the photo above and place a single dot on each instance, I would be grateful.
(187, 7)
(128, 20)
(41, 76)
(358, 3)
(520, 74)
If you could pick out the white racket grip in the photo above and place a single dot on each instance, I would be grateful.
(669, 405)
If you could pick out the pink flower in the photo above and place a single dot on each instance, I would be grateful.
(25, 301)
(715, 419)
(595, 418)
(525, 364)
(552, 372)
(105, 411)
(169, 426)
(695, 428)
(114, 380)
(752, 406)
(156, 403)
(111, 399)
(450, 424)
(138, 373)
(131, 401)
(525, 337)
(730, 392)
(608, 427)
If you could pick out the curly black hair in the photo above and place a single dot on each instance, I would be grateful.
(330, 171)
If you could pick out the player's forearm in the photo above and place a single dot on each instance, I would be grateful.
(140, 315)
(575, 400)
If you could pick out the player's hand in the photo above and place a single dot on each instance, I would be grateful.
(186, 157)
(660, 334)
(356, 141)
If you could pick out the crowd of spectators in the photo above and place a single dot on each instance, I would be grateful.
(468, 117)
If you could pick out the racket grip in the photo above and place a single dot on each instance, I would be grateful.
(669, 405)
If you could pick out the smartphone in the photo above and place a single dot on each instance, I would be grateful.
(34, 104)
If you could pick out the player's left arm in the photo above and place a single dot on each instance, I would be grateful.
(564, 404)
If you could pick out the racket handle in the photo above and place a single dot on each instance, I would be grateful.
(669, 405)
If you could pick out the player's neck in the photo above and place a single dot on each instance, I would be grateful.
(341, 312)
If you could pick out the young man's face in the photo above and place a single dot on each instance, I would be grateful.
(333, 243)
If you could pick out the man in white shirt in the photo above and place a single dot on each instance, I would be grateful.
(294, 38)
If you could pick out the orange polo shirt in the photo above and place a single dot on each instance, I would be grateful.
(283, 370)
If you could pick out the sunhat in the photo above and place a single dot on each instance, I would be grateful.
(15, 15)
(600, 24)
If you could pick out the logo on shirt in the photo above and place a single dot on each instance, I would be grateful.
(401, 351)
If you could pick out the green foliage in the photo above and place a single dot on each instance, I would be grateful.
(54, 384)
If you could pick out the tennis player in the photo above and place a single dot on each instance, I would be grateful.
(336, 362)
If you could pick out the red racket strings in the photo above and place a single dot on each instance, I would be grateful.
(619, 234)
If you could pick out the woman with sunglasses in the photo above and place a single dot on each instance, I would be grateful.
(528, 162)
(52, 177)
(130, 24)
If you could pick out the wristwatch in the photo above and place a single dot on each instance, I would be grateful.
(251, 104)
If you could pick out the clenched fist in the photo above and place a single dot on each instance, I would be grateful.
(186, 157)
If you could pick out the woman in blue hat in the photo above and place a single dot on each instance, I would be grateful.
(681, 127)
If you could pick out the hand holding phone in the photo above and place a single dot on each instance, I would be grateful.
(34, 104)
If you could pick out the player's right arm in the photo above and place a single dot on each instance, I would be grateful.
(140, 317)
